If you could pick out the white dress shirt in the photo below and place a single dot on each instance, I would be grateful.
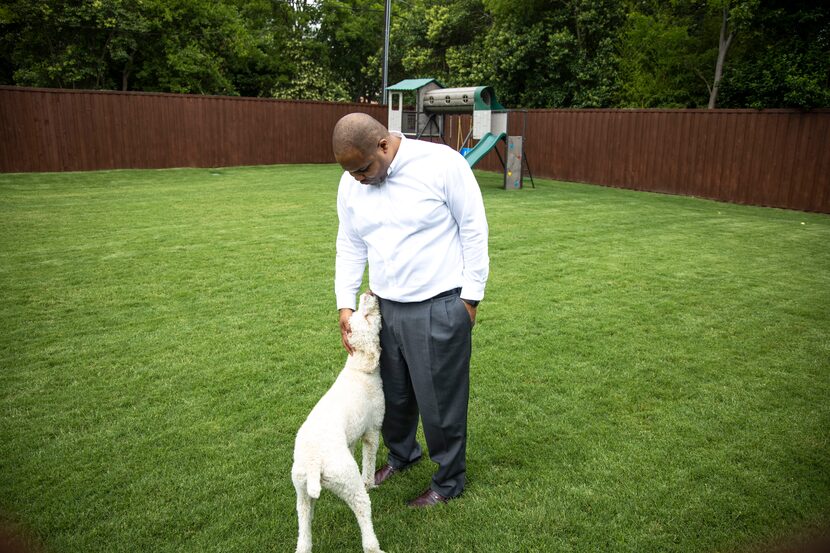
(423, 230)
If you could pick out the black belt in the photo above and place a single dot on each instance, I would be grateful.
(452, 292)
(448, 293)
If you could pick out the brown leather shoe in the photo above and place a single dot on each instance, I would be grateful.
(386, 472)
(428, 499)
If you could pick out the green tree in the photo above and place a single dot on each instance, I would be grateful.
(536, 54)
(349, 34)
(568, 53)
(688, 53)
(441, 39)
(308, 79)
(271, 26)
(661, 59)
(783, 60)
(163, 45)
(196, 44)
(64, 44)
(735, 15)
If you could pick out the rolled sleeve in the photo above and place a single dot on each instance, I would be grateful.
(350, 260)
(467, 206)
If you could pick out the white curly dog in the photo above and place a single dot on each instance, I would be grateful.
(352, 409)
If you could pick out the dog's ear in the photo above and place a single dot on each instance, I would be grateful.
(365, 340)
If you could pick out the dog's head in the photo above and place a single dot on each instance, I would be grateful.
(365, 323)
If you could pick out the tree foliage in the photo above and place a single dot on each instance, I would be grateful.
(536, 53)
(659, 62)
(171, 45)
(783, 58)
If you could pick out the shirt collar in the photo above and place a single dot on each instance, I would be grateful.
(395, 161)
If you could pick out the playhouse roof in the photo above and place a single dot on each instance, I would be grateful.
(412, 84)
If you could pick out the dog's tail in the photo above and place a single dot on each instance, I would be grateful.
(312, 475)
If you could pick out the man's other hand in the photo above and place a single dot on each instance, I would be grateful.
(471, 311)
(346, 328)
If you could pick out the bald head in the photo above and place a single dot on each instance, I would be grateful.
(357, 131)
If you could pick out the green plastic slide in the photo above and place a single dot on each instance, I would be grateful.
(487, 143)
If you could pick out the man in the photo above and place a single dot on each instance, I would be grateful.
(414, 211)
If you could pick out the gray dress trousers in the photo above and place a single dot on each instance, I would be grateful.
(425, 367)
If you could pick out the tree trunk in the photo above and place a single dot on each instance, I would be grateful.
(100, 68)
(723, 47)
(125, 73)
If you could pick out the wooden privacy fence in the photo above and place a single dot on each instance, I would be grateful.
(778, 158)
(61, 130)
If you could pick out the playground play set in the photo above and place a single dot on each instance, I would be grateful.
(432, 102)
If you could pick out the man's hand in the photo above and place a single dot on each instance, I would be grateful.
(346, 328)
(471, 311)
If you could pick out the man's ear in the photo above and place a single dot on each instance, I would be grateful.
(383, 144)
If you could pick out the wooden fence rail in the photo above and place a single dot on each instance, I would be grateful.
(778, 158)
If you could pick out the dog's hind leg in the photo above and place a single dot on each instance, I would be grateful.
(370, 452)
(348, 486)
(305, 513)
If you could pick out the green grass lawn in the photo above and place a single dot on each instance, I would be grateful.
(650, 373)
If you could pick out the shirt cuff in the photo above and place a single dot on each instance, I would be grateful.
(473, 292)
(346, 301)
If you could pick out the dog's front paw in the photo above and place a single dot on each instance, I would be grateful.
(370, 485)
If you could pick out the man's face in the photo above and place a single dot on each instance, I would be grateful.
(368, 168)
